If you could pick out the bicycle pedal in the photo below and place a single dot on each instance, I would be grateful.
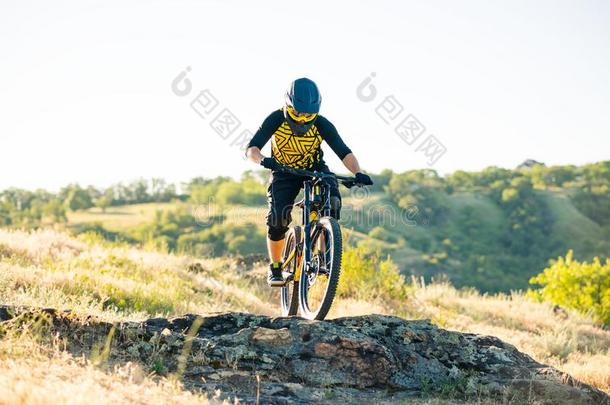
(276, 283)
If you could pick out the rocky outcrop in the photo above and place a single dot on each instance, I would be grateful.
(292, 360)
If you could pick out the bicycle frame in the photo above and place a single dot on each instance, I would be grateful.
(316, 192)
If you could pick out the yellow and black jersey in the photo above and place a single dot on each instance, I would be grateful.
(300, 151)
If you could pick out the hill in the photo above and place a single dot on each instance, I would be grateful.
(492, 230)
(468, 247)
(104, 283)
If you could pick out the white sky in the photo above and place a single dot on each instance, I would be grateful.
(85, 86)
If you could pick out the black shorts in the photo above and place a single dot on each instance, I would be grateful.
(281, 194)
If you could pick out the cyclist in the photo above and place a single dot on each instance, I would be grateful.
(296, 131)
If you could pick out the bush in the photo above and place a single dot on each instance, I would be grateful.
(366, 276)
(584, 287)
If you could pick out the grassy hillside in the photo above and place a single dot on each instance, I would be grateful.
(120, 282)
(468, 246)
(471, 234)
(492, 230)
(571, 225)
(120, 218)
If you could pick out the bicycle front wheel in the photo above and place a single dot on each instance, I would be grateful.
(291, 258)
(318, 283)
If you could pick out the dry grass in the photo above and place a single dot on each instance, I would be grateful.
(35, 373)
(49, 269)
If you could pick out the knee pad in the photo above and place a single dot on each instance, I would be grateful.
(276, 233)
(277, 223)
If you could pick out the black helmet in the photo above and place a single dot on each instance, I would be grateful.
(302, 105)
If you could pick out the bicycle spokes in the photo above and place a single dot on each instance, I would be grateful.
(318, 287)
(291, 258)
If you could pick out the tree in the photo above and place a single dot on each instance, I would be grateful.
(161, 191)
(493, 174)
(139, 191)
(76, 198)
(593, 196)
(423, 189)
(55, 209)
(382, 180)
(105, 200)
(461, 180)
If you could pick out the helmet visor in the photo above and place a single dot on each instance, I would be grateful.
(301, 118)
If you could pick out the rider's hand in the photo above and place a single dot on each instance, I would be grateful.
(364, 179)
(270, 163)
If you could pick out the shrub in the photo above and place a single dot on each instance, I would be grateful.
(366, 276)
(584, 287)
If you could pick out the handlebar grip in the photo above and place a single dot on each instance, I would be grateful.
(351, 183)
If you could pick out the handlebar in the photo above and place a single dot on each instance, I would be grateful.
(345, 180)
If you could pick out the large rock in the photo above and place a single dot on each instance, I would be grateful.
(292, 360)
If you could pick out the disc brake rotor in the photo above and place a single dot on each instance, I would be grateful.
(314, 269)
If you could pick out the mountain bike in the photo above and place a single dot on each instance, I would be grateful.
(312, 251)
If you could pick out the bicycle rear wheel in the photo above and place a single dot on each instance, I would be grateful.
(290, 291)
(318, 284)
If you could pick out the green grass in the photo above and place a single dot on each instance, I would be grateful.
(484, 206)
(119, 218)
(571, 226)
(362, 215)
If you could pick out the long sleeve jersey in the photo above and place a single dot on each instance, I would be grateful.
(300, 151)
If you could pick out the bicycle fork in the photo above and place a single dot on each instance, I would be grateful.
(304, 258)
(306, 254)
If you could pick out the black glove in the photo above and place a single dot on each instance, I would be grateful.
(362, 178)
(270, 163)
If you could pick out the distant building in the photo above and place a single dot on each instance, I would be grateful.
(529, 163)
